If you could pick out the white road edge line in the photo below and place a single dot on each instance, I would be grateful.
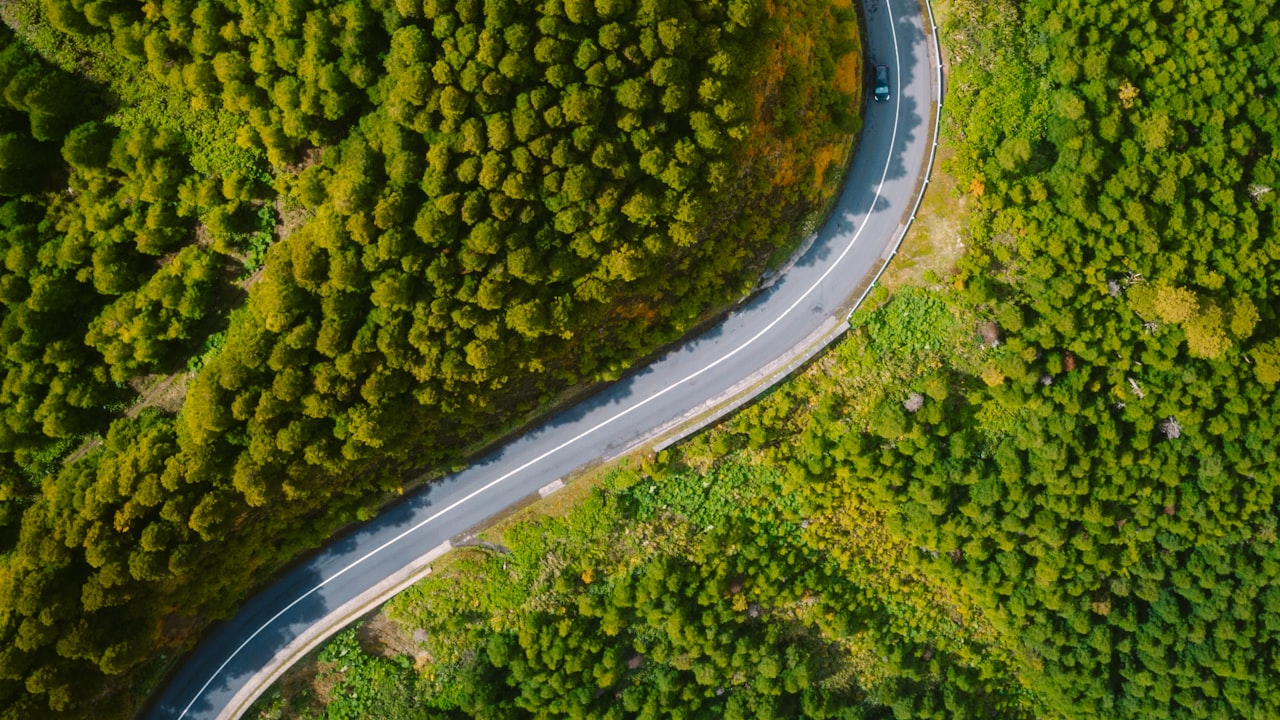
(603, 423)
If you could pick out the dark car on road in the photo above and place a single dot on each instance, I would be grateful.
(881, 92)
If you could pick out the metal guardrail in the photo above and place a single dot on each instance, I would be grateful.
(734, 397)
(928, 170)
(731, 400)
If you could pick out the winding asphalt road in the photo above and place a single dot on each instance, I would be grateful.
(880, 195)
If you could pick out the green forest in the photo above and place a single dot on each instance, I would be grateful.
(264, 263)
(668, 593)
(1044, 486)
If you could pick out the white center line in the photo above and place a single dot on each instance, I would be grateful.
(608, 421)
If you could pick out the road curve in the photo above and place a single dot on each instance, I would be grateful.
(233, 663)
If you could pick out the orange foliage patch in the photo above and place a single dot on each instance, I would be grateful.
(849, 73)
(823, 158)
(794, 47)
(784, 165)
(631, 312)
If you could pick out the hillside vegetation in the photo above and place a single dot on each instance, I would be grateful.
(1107, 486)
(1066, 461)
(668, 591)
(368, 237)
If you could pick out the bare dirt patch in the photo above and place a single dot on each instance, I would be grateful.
(163, 392)
(990, 334)
(291, 218)
(252, 280)
(203, 238)
(382, 636)
(81, 451)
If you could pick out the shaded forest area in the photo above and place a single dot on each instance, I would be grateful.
(1072, 450)
(367, 237)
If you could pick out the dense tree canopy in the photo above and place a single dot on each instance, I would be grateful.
(355, 241)
(1119, 455)
(1078, 446)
